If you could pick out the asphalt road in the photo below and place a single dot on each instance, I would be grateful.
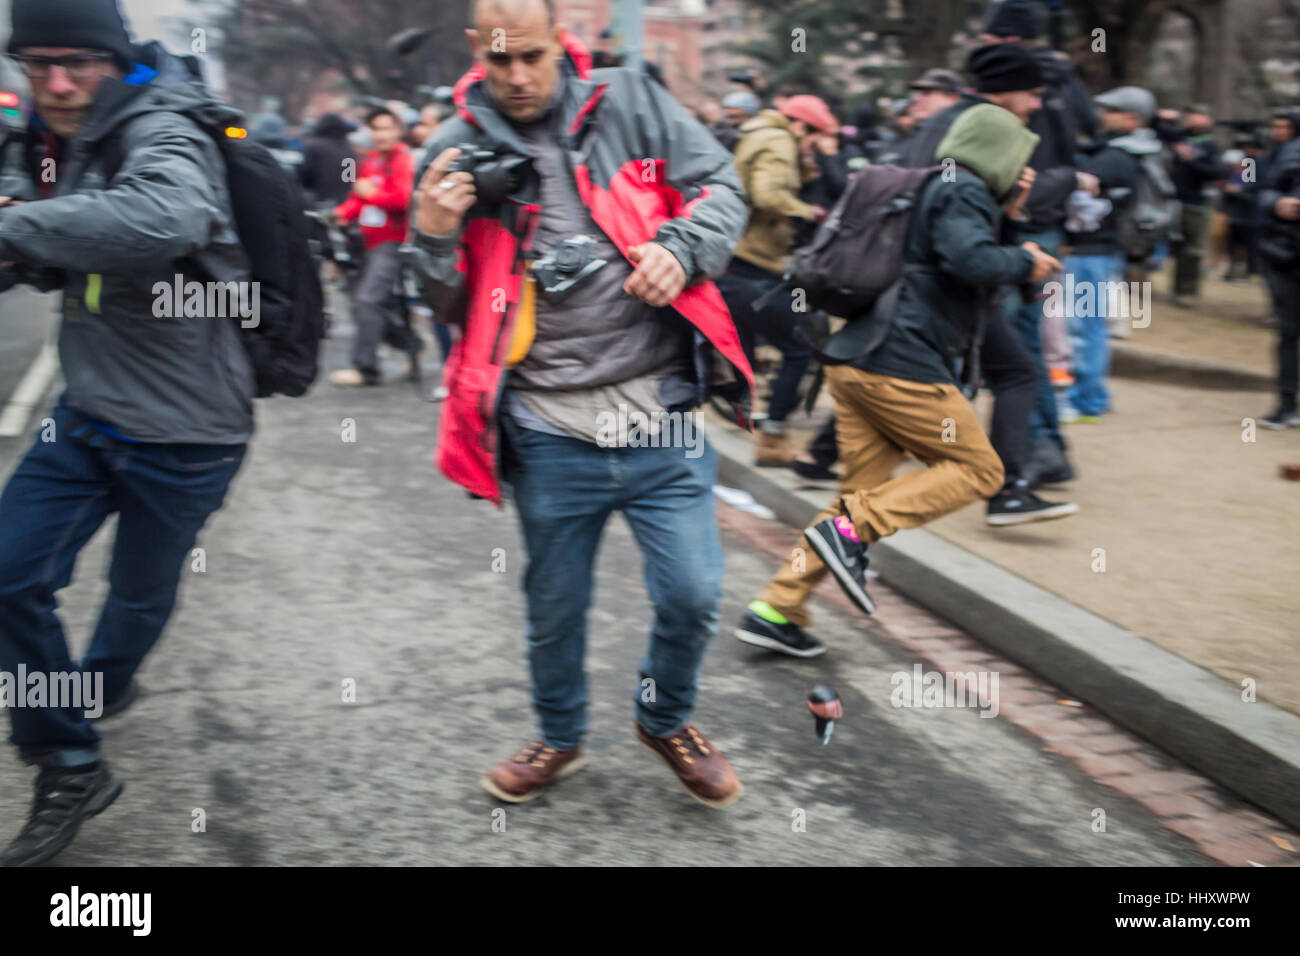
(337, 561)
(26, 319)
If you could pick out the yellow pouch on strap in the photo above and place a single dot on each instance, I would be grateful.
(525, 322)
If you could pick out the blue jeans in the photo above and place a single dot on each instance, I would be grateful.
(1027, 319)
(565, 489)
(1090, 334)
(60, 494)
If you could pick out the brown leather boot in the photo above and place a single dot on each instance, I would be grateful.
(699, 765)
(773, 451)
(527, 773)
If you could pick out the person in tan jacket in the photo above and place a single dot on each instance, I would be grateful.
(767, 160)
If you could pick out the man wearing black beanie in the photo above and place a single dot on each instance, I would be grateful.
(1009, 76)
(88, 24)
(111, 193)
(1066, 113)
(92, 31)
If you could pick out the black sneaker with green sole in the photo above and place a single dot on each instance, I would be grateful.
(784, 638)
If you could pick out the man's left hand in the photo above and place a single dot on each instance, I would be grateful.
(658, 278)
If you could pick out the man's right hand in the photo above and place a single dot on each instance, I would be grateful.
(1288, 208)
(1088, 183)
(1044, 265)
(443, 198)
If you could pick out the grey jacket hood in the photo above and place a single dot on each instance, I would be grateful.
(116, 234)
(177, 88)
(1140, 142)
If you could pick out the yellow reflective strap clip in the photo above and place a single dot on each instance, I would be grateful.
(94, 286)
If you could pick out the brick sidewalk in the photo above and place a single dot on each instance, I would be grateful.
(1221, 825)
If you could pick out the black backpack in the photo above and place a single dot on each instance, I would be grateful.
(1152, 213)
(270, 217)
(853, 265)
(856, 254)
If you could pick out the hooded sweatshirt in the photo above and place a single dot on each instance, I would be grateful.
(116, 245)
(991, 143)
(954, 240)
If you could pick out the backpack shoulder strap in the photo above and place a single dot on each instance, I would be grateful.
(112, 153)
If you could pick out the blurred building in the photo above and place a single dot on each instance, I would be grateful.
(694, 42)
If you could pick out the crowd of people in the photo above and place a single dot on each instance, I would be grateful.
(601, 255)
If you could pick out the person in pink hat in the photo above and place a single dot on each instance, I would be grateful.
(768, 161)
(811, 114)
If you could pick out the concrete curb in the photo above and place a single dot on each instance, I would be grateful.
(1251, 749)
(1134, 361)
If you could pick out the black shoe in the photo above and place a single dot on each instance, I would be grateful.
(1048, 465)
(65, 796)
(414, 373)
(846, 558)
(113, 708)
(813, 471)
(1020, 505)
(1284, 416)
(784, 638)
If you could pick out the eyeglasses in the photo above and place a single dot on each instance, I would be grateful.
(78, 66)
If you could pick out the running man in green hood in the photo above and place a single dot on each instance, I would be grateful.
(904, 397)
(1024, 429)
(992, 144)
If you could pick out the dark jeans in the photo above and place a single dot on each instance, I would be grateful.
(442, 333)
(744, 282)
(1241, 250)
(372, 313)
(1189, 250)
(60, 494)
(1010, 375)
(824, 447)
(1026, 319)
(1285, 289)
(565, 490)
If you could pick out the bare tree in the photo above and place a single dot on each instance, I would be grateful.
(899, 38)
(274, 47)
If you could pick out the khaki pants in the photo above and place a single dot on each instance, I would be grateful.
(878, 420)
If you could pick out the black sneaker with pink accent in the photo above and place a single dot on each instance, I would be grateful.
(845, 555)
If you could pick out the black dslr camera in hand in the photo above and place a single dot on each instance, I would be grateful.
(497, 176)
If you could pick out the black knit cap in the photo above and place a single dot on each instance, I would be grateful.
(1004, 67)
(85, 24)
(1015, 18)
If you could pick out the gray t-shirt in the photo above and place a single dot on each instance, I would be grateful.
(598, 350)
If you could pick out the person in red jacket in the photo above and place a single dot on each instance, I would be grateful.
(379, 202)
(583, 291)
